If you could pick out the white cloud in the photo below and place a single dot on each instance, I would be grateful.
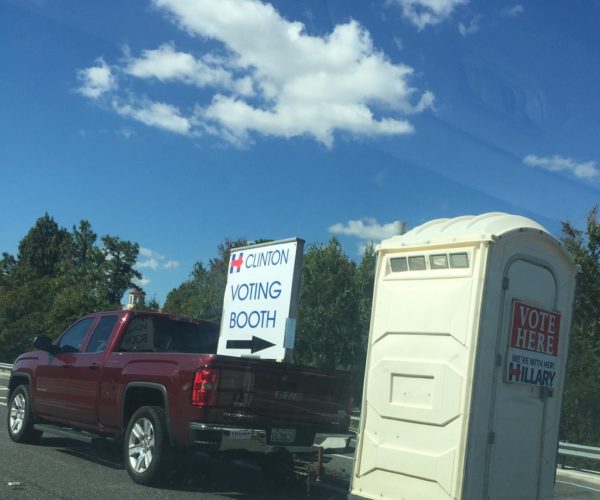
(368, 229)
(585, 170)
(141, 282)
(96, 80)
(472, 27)
(155, 261)
(157, 114)
(125, 132)
(151, 263)
(166, 64)
(399, 43)
(427, 101)
(146, 252)
(513, 11)
(427, 12)
(310, 85)
(238, 118)
(270, 77)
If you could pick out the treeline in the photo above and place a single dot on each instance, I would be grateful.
(57, 276)
(581, 402)
(335, 304)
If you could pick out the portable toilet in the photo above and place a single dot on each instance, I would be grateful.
(466, 362)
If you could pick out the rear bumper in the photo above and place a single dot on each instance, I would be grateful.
(214, 437)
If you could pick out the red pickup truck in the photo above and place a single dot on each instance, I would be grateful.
(154, 383)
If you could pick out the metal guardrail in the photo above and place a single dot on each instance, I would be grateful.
(576, 450)
(5, 368)
(565, 449)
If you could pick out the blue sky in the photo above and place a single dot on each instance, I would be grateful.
(177, 123)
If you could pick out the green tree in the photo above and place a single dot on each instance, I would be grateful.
(7, 267)
(80, 286)
(40, 251)
(365, 282)
(117, 267)
(201, 296)
(579, 422)
(81, 253)
(328, 333)
(57, 276)
(151, 305)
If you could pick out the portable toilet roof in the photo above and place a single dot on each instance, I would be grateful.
(467, 229)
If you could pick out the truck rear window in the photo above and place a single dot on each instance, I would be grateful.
(155, 334)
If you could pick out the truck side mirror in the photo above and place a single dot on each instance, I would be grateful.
(43, 343)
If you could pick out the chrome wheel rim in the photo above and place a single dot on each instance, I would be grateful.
(141, 445)
(17, 414)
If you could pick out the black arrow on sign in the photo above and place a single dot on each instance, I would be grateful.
(255, 345)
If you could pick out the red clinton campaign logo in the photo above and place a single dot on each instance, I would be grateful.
(236, 262)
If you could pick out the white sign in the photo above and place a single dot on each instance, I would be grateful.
(533, 346)
(261, 300)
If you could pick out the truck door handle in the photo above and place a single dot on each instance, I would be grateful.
(67, 366)
(93, 366)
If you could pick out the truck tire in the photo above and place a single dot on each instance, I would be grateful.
(146, 446)
(19, 420)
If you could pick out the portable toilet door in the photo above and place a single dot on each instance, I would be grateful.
(534, 319)
(518, 408)
(440, 417)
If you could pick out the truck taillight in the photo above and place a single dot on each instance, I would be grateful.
(204, 390)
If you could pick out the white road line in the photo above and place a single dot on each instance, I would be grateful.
(578, 485)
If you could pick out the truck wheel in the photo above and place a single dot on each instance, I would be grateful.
(146, 445)
(20, 419)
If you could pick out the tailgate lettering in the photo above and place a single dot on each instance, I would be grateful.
(289, 396)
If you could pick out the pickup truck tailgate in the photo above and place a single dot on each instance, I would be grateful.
(266, 391)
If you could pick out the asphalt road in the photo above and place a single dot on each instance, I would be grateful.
(576, 485)
(64, 469)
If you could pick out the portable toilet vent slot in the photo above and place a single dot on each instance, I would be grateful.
(466, 362)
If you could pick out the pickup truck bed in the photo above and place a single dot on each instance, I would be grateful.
(153, 382)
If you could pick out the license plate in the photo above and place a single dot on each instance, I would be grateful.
(243, 434)
(283, 435)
